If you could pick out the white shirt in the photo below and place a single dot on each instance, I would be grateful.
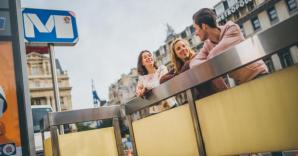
(151, 81)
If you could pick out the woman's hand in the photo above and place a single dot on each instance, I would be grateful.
(140, 90)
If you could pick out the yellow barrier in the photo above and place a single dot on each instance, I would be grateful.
(99, 142)
(168, 133)
(258, 116)
(48, 147)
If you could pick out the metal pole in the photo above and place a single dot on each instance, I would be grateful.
(55, 83)
(132, 137)
(195, 120)
(43, 139)
(118, 137)
(55, 141)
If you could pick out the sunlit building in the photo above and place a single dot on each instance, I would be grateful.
(40, 80)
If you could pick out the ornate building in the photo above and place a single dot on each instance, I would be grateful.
(40, 80)
(124, 89)
(254, 16)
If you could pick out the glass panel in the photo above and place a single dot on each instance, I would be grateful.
(4, 4)
(37, 115)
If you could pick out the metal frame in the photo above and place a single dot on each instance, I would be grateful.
(132, 136)
(252, 49)
(195, 120)
(117, 132)
(53, 120)
(55, 82)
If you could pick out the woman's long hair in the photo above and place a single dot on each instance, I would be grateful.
(176, 61)
(141, 68)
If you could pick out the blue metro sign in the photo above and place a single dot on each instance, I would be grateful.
(49, 26)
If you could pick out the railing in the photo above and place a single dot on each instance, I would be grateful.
(193, 116)
(53, 120)
(252, 49)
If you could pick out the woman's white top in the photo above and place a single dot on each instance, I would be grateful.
(151, 81)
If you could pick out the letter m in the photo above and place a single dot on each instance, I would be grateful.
(31, 20)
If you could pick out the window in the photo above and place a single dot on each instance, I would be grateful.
(190, 41)
(231, 3)
(61, 100)
(37, 115)
(36, 70)
(272, 14)
(162, 51)
(237, 15)
(36, 84)
(2, 23)
(256, 23)
(242, 29)
(219, 8)
(269, 64)
(198, 47)
(285, 58)
(292, 4)
(250, 6)
(157, 53)
(39, 101)
(183, 34)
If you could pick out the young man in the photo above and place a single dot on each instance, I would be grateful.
(219, 38)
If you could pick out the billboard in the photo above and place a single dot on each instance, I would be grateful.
(49, 26)
(10, 139)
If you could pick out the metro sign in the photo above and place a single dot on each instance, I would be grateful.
(49, 26)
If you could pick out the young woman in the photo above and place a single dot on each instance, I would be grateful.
(182, 54)
(149, 78)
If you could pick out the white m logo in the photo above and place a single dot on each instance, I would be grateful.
(62, 24)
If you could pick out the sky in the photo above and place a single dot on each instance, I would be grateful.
(111, 35)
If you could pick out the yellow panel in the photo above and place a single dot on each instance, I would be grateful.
(261, 115)
(168, 133)
(99, 142)
(48, 147)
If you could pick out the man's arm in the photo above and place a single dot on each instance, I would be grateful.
(231, 37)
(200, 57)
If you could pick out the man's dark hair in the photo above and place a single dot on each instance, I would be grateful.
(206, 16)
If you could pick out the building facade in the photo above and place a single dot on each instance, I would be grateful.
(40, 80)
(254, 16)
(124, 89)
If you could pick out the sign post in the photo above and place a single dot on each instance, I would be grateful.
(51, 27)
(55, 82)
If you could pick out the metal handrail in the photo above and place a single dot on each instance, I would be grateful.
(252, 49)
(74, 116)
(52, 120)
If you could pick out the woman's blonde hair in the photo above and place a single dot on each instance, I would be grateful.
(176, 61)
